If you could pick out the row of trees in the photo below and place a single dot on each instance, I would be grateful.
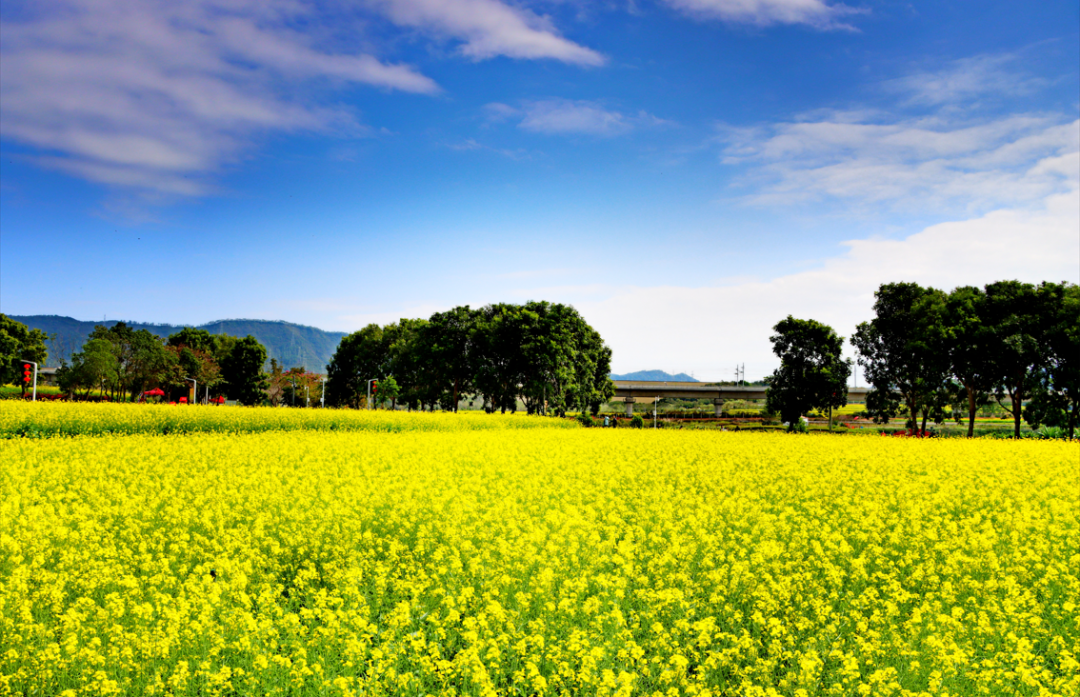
(928, 352)
(1016, 343)
(544, 354)
(122, 362)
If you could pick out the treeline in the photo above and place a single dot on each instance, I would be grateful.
(543, 354)
(1015, 343)
(928, 353)
(121, 363)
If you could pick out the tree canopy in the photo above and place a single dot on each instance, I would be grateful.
(812, 373)
(543, 354)
(1013, 341)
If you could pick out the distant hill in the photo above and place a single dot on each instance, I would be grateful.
(654, 376)
(291, 344)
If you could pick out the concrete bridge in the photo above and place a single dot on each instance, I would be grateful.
(631, 391)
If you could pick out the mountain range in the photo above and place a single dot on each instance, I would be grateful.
(654, 376)
(291, 344)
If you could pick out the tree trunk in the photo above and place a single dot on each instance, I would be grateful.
(1017, 402)
(925, 413)
(971, 412)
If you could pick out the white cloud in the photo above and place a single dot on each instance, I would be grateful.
(964, 80)
(928, 163)
(708, 330)
(472, 145)
(489, 28)
(815, 13)
(564, 116)
(152, 95)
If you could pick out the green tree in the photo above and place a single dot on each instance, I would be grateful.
(197, 339)
(139, 360)
(902, 355)
(812, 373)
(404, 361)
(499, 368)
(19, 343)
(1015, 314)
(242, 372)
(1055, 400)
(361, 356)
(389, 390)
(89, 368)
(967, 343)
(446, 350)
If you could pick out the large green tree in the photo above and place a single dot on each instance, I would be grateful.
(241, 370)
(1055, 400)
(19, 343)
(1017, 315)
(139, 360)
(193, 338)
(902, 356)
(404, 361)
(967, 342)
(812, 373)
(90, 368)
(445, 345)
(361, 356)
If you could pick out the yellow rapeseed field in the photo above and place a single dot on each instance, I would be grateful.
(538, 562)
(68, 419)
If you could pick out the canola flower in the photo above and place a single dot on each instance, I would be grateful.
(541, 562)
(19, 418)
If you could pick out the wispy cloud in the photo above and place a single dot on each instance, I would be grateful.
(474, 145)
(814, 13)
(955, 154)
(965, 80)
(153, 95)
(489, 28)
(909, 163)
(564, 116)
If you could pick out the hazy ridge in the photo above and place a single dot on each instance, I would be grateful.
(291, 344)
(654, 376)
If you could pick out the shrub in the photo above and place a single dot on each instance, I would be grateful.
(637, 421)
(585, 420)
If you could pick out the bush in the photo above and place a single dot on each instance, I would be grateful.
(637, 421)
(585, 420)
(1050, 433)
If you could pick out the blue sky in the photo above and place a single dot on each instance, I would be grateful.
(684, 172)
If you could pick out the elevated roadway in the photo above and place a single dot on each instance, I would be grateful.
(632, 391)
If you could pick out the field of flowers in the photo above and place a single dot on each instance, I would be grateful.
(543, 561)
(67, 419)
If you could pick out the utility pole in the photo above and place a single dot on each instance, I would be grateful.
(26, 376)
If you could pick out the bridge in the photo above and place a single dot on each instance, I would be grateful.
(632, 391)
